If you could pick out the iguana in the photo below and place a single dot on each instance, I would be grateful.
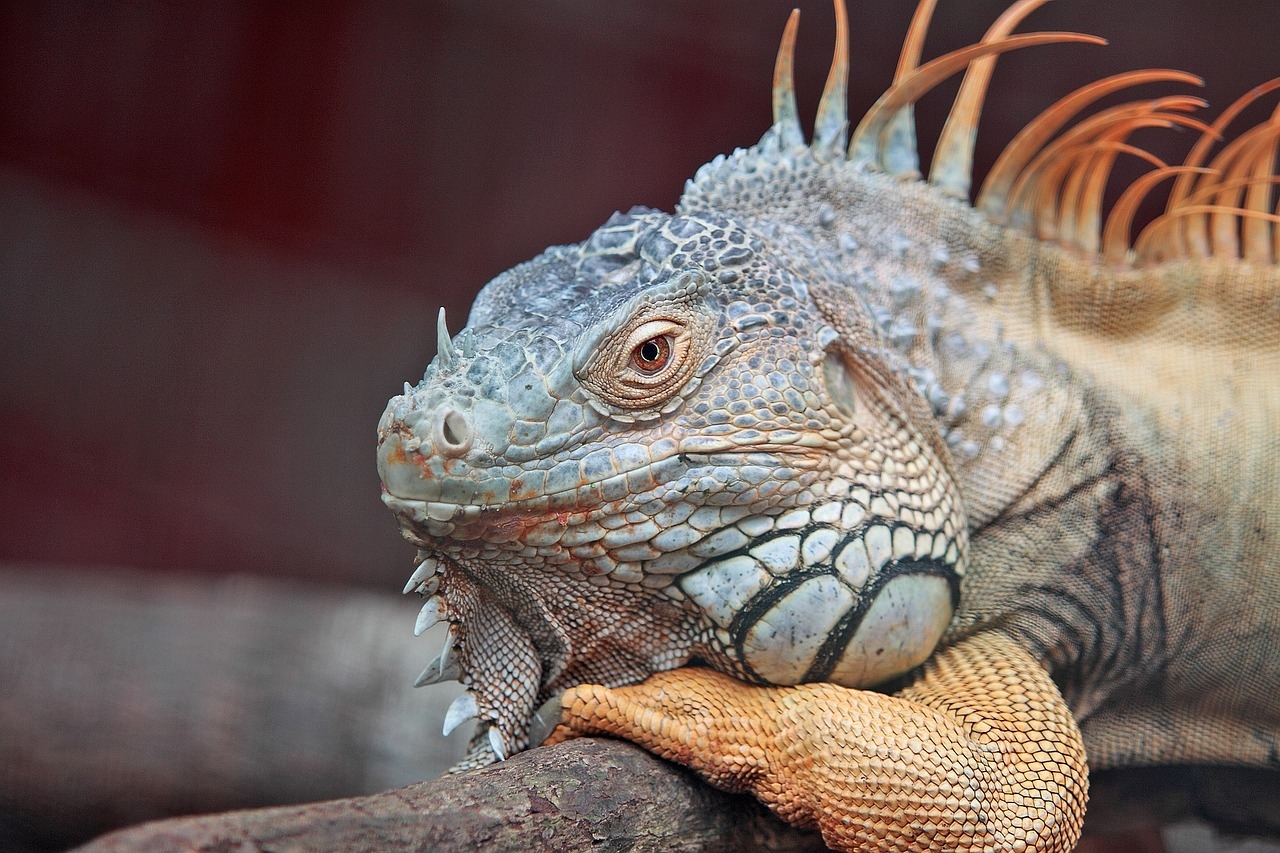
(897, 511)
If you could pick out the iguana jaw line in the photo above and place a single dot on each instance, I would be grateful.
(429, 523)
(413, 491)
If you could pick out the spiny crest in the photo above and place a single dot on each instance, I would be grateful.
(1049, 181)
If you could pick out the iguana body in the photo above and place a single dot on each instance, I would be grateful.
(828, 422)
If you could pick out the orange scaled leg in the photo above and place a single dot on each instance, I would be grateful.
(979, 752)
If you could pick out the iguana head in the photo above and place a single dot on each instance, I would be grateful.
(715, 436)
(653, 447)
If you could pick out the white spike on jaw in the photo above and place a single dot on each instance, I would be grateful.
(432, 613)
(439, 670)
(463, 708)
(443, 668)
(444, 343)
(495, 743)
(423, 587)
(427, 566)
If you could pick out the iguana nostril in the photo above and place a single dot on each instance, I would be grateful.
(453, 432)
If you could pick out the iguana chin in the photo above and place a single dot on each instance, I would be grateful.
(887, 508)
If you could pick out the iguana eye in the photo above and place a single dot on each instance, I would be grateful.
(643, 366)
(652, 355)
(655, 347)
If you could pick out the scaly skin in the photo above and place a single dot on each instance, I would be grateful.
(827, 423)
(965, 757)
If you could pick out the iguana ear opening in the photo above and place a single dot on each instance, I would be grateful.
(840, 387)
(867, 393)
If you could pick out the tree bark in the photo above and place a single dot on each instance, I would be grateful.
(580, 795)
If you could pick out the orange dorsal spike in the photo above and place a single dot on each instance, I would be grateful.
(1154, 243)
(1143, 248)
(1082, 206)
(868, 140)
(1190, 237)
(1195, 158)
(1086, 208)
(1256, 232)
(1115, 236)
(1050, 163)
(997, 189)
(913, 43)
(1236, 165)
(1114, 124)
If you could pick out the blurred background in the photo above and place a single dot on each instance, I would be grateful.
(226, 228)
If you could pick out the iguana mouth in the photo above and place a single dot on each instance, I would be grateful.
(500, 522)
(447, 493)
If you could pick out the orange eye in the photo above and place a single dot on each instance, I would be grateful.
(652, 355)
(643, 364)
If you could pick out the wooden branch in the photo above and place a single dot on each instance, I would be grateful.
(579, 795)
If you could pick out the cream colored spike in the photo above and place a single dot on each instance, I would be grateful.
(952, 167)
(786, 120)
(872, 141)
(831, 127)
(902, 155)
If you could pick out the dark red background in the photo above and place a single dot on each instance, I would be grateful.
(225, 228)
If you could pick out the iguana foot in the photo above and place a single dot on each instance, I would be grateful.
(979, 752)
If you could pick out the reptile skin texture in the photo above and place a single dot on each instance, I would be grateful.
(887, 506)
(989, 738)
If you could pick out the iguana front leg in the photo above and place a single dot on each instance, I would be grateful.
(979, 752)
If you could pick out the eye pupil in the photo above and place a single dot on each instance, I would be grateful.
(653, 354)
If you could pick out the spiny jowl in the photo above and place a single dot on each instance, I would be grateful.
(820, 592)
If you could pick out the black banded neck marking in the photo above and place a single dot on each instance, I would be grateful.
(847, 626)
(760, 594)
(840, 638)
